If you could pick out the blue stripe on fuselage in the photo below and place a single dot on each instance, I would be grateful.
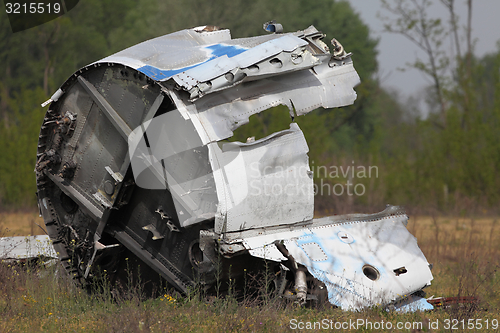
(216, 50)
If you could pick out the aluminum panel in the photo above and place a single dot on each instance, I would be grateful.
(263, 183)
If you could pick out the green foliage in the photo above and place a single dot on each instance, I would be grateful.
(18, 141)
(454, 155)
(443, 166)
(470, 143)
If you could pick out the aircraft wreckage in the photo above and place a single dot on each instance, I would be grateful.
(133, 163)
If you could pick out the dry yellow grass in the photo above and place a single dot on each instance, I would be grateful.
(465, 253)
(21, 224)
(450, 239)
(458, 227)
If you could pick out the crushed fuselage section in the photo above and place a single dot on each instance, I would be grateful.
(143, 167)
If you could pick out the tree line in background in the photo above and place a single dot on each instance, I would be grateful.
(443, 161)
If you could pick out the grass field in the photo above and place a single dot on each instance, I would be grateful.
(21, 224)
(465, 253)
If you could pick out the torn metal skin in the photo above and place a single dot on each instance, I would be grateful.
(26, 248)
(133, 163)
